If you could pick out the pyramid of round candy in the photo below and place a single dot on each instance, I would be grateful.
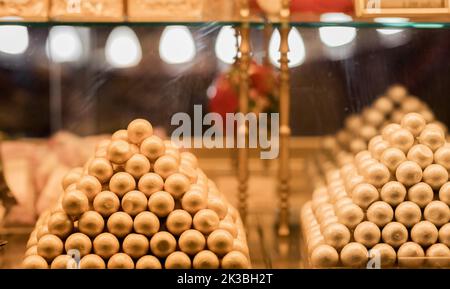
(392, 200)
(139, 203)
(386, 109)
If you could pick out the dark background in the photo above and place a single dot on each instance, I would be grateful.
(98, 99)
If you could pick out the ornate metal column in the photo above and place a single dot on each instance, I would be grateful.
(242, 129)
(285, 130)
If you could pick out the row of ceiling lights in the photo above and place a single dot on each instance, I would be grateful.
(177, 45)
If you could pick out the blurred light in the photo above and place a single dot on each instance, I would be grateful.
(177, 45)
(336, 17)
(337, 35)
(13, 39)
(122, 48)
(226, 49)
(297, 53)
(64, 44)
(389, 31)
(339, 53)
(390, 21)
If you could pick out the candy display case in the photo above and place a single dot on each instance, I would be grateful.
(72, 85)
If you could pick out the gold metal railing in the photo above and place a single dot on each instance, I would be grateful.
(285, 130)
(242, 130)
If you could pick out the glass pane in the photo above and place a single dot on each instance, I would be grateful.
(65, 86)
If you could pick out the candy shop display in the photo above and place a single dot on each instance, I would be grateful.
(389, 201)
(386, 111)
(140, 203)
(225, 134)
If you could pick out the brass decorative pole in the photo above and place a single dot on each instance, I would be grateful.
(268, 30)
(285, 130)
(242, 129)
(237, 34)
(234, 150)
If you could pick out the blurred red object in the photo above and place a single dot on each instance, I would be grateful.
(317, 6)
(262, 78)
(225, 99)
(224, 91)
(322, 6)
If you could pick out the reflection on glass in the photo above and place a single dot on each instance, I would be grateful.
(391, 21)
(64, 44)
(338, 35)
(123, 48)
(393, 37)
(297, 53)
(226, 49)
(389, 31)
(176, 45)
(13, 39)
